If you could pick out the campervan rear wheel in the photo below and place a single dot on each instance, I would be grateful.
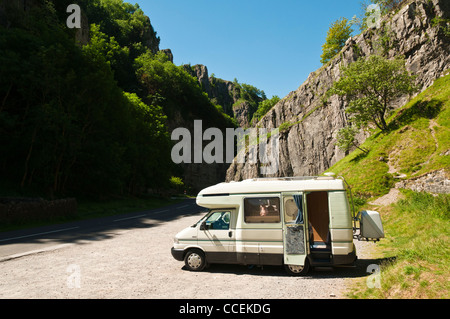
(295, 270)
(195, 260)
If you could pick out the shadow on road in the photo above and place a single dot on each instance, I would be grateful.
(80, 232)
(359, 270)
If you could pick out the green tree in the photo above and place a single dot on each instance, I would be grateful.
(370, 85)
(264, 107)
(346, 139)
(176, 90)
(147, 136)
(125, 22)
(338, 33)
(66, 126)
(249, 94)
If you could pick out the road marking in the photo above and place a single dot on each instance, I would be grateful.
(126, 218)
(32, 252)
(183, 206)
(38, 234)
(160, 212)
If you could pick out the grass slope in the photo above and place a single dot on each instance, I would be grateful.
(416, 250)
(417, 143)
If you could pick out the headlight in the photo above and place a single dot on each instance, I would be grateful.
(175, 240)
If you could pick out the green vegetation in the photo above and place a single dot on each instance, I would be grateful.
(346, 139)
(370, 86)
(415, 250)
(90, 120)
(93, 208)
(415, 143)
(175, 90)
(249, 94)
(442, 24)
(264, 107)
(337, 35)
(386, 6)
(341, 30)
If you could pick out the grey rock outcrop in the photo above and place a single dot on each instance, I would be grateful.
(309, 122)
(243, 113)
(221, 92)
(169, 54)
(82, 36)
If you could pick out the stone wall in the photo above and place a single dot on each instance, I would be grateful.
(436, 182)
(19, 210)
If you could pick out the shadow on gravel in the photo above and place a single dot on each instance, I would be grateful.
(360, 269)
(80, 232)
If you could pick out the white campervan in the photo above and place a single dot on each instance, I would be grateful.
(296, 222)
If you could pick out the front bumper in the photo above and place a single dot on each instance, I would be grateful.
(178, 254)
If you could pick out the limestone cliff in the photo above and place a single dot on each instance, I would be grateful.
(224, 93)
(309, 121)
(221, 92)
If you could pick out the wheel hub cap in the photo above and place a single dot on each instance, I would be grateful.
(194, 261)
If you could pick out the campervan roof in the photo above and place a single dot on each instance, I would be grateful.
(274, 185)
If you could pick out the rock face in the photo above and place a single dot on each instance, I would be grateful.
(309, 122)
(82, 34)
(221, 92)
(243, 113)
(197, 176)
(169, 54)
(224, 93)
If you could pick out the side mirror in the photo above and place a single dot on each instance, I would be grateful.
(203, 226)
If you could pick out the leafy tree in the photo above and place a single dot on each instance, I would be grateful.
(116, 56)
(346, 139)
(249, 94)
(176, 90)
(370, 85)
(337, 35)
(66, 127)
(90, 120)
(147, 136)
(264, 107)
(125, 22)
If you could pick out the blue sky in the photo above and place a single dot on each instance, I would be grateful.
(273, 45)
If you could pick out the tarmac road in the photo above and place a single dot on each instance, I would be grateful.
(20, 243)
(128, 256)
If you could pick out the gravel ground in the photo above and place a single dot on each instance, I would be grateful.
(137, 263)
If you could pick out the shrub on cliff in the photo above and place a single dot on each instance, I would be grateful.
(370, 86)
(337, 35)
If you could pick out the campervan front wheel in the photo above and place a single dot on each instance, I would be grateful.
(295, 270)
(195, 260)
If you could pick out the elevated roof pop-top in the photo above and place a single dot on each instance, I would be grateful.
(275, 185)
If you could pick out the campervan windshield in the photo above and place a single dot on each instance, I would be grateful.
(200, 220)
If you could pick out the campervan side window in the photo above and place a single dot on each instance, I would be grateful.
(262, 210)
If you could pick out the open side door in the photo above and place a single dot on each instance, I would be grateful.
(295, 232)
